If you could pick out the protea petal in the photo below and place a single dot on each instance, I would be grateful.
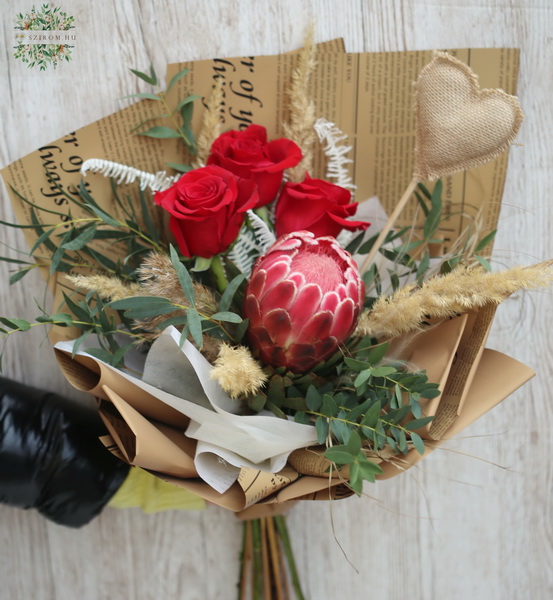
(317, 328)
(353, 290)
(251, 308)
(282, 295)
(307, 303)
(257, 283)
(276, 272)
(330, 301)
(261, 338)
(277, 322)
(343, 319)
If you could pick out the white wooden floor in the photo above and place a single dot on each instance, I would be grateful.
(475, 520)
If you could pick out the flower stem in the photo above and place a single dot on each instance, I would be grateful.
(218, 271)
(280, 522)
(257, 573)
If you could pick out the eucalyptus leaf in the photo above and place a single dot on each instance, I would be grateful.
(160, 132)
(226, 316)
(183, 276)
(313, 399)
(177, 77)
(194, 322)
(418, 443)
(151, 79)
(231, 289)
(186, 101)
(321, 425)
(339, 455)
(81, 240)
(377, 353)
(17, 324)
(15, 277)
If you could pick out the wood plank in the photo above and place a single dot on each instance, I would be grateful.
(457, 527)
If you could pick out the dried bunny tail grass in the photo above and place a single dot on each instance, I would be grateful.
(158, 277)
(457, 292)
(211, 124)
(108, 288)
(301, 128)
(237, 372)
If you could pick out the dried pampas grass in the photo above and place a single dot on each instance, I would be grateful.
(443, 296)
(108, 288)
(301, 127)
(158, 277)
(211, 124)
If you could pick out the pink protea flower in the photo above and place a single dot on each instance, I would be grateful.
(303, 300)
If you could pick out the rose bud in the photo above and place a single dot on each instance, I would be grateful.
(247, 154)
(207, 208)
(303, 300)
(317, 206)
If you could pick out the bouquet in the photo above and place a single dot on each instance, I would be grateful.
(252, 334)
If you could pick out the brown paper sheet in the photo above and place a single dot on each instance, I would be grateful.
(82, 373)
(147, 444)
(452, 353)
(449, 352)
(109, 138)
(433, 350)
(369, 96)
(464, 367)
(496, 377)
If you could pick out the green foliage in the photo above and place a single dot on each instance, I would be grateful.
(409, 248)
(184, 109)
(368, 408)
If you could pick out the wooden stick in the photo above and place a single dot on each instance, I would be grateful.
(389, 224)
(280, 524)
(274, 547)
(246, 557)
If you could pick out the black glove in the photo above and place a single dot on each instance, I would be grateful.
(51, 458)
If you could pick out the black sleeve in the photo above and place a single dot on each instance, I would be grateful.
(51, 458)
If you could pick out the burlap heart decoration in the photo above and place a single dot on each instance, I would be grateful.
(458, 125)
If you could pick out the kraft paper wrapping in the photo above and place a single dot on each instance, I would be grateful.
(497, 377)
(164, 450)
(368, 95)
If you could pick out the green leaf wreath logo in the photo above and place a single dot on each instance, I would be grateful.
(44, 37)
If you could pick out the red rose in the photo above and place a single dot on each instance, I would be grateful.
(247, 154)
(207, 208)
(317, 206)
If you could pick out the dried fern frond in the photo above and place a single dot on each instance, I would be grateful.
(211, 124)
(124, 174)
(108, 288)
(336, 151)
(457, 292)
(301, 128)
(237, 372)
